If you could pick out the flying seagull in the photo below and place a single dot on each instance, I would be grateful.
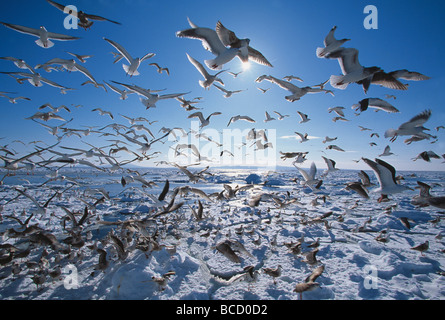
(211, 42)
(386, 175)
(239, 117)
(84, 18)
(351, 68)
(246, 52)
(330, 43)
(204, 121)
(209, 79)
(44, 36)
(297, 92)
(412, 127)
(375, 103)
(131, 69)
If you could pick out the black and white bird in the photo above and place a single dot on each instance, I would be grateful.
(84, 18)
(386, 175)
(375, 103)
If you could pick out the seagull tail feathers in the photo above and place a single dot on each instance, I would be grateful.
(321, 52)
(127, 70)
(49, 44)
(336, 82)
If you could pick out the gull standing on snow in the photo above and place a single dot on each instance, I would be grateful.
(131, 69)
(330, 43)
(209, 79)
(44, 36)
(412, 127)
(386, 175)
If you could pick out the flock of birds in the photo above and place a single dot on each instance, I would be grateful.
(225, 45)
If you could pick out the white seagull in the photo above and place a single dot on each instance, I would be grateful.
(330, 43)
(70, 65)
(211, 42)
(131, 69)
(44, 36)
(386, 175)
(330, 164)
(308, 176)
(412, 127)
(123, 93)
(351, 68)
(228, 93)
(281, 116)
(209, 79)
(268, 117)
(303, 116)
(239, 117)
(386, 152)
(148, 98)
(204, 121)
(297, 92)
(303, 137)
(246, 52)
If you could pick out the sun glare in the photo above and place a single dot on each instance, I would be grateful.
(246, 65)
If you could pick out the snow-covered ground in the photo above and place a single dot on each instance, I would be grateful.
(177, 247)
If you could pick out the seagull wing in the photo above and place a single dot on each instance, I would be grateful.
(99, 18)
(226, 36)
(61, 37)
(347, 58)
(61, 7)
(121, 50)
(417, 120)
(284, 84)
(258, 57)
(387, 80)
(385, 173)
(198, 66)
(197, 115)
(86, 72)
(22, 29)
(209, 38)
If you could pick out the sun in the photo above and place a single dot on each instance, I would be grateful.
(246, 65)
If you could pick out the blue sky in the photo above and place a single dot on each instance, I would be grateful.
(409, 36)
